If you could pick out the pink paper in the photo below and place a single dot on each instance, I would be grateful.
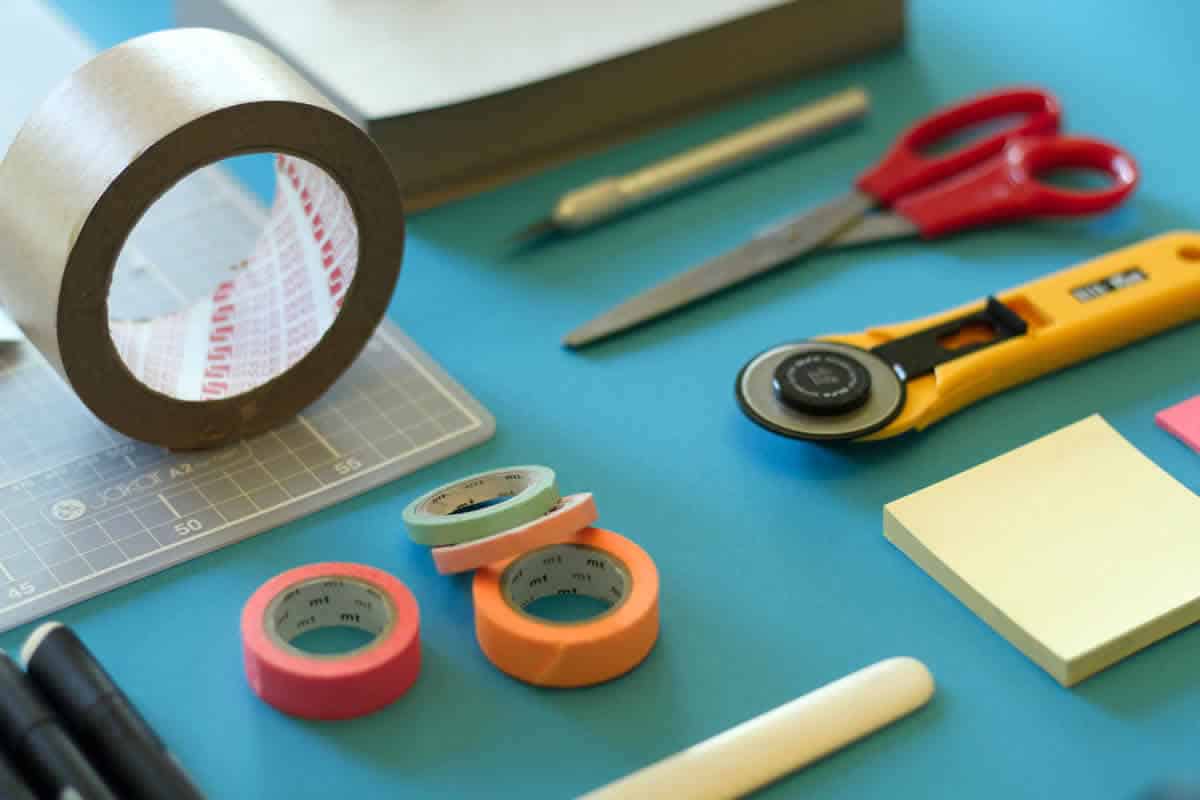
(1182, 421)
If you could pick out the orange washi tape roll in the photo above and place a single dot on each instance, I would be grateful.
(331, 686)
(568, 517)
(597, 563)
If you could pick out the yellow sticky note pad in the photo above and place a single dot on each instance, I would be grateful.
(1075, 547)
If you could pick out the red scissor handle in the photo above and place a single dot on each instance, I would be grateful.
(904, 169)
(1007, 188)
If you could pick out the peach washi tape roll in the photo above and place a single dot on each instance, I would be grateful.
(569, 516)
(275, 334)
(597, 563)
(331, 686)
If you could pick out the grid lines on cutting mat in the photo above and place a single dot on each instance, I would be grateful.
(134, 500)
(84, 509)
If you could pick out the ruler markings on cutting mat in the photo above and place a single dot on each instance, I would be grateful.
(84, 509)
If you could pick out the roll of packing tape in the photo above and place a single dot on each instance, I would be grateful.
(481, 505)
(331, 686)
(597, 563)
(566, 518)
(275, 334)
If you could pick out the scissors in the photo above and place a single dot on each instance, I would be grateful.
(990, 180)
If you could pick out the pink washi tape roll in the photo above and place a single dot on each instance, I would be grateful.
(568, 517)
(335, 686)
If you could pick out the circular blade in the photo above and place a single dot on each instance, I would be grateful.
(759, 392)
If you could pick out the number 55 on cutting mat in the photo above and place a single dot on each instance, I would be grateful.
(891, 379)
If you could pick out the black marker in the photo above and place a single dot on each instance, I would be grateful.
(120, 742)
(35, 739)
(12, 785)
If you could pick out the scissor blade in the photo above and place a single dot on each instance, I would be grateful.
(873, 228)
(761, 254)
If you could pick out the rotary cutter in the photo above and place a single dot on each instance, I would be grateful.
(887, 380)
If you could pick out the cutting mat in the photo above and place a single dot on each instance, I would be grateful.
(84, 509)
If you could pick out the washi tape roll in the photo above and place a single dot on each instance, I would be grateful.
(566, 518)
(268, 340)
(481, 505)
(331, 686)
(597, 563)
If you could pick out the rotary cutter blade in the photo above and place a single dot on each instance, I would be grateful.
(822, 391)
(887, 380)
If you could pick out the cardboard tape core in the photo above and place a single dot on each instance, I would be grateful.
(271, 310)
(477, 493)
(566, 569)
(327, 603)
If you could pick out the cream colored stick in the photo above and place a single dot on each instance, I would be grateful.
(764, 749)
(606, 197)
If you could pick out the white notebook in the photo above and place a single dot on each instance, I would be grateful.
(465, 95)
(386, 58)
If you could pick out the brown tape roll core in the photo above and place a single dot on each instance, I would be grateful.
(105, 145)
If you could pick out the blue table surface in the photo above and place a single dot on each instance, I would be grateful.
(775, 576)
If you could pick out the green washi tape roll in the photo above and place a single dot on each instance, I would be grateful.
(481, 505)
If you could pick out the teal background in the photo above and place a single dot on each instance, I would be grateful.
(775, 576)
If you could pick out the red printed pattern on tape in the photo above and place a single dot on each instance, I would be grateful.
(246, 348)
(270, 313)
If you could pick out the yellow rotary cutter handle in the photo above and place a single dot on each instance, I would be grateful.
(884, 381)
